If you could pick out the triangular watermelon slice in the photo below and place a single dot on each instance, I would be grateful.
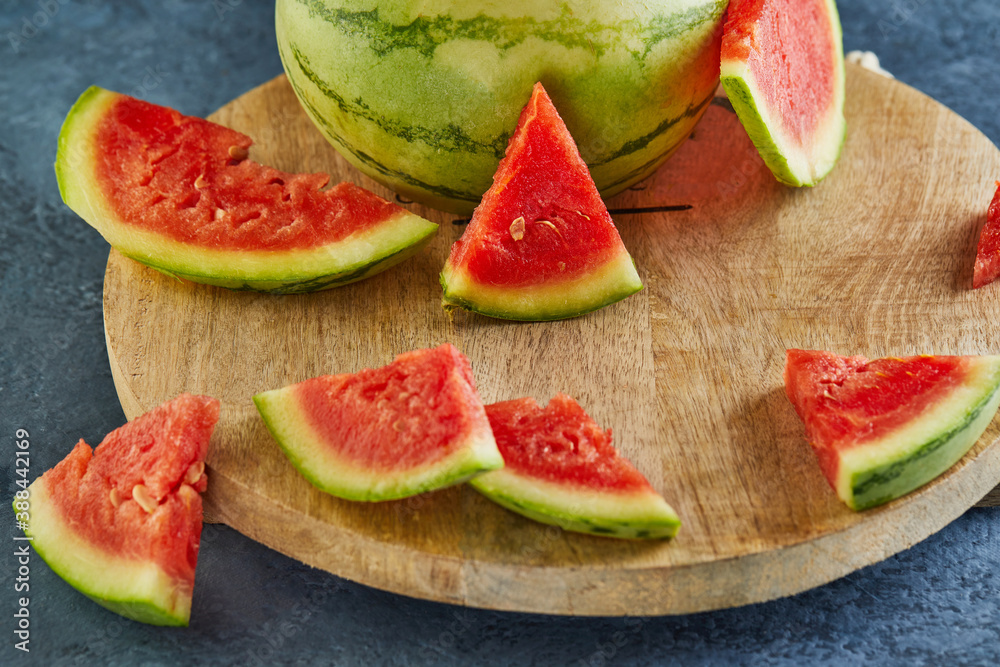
(414, 425)
(122, 523)
(883, 428)
(783, 70)
(560, 468)
(178, 193)
(987, 267)
(541, 244)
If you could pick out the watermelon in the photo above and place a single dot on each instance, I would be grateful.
(541, 245)
(783, 70)
(178, 194)
(883, 428)
(122, 523)
(424, 95)
(414, 425)
(560, 468)
(987, 266)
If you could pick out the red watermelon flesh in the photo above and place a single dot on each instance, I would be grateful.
(882, 428)
(783, 70)
(560, 467)
(180, 194)
(130, 511)
(541, 244)
(414, 425)
(800, 31)
(988, 252)
(561, 443)
(190, 179)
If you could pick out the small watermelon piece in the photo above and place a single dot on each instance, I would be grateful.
(560, 468)
(178, 194)
(988, 252)
(883, 428)
(414, 425)
(541, 244)
(122, 523)
(783, 70)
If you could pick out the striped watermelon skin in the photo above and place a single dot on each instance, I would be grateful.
(423, 96)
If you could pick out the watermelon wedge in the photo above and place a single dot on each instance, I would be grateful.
(540, 245)
(122, 523)
(415, 425)
(178, 194)
(560, 468)
(987, 266)
(883, 428)
(783, 70)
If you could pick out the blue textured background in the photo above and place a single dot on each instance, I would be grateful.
(936, 603)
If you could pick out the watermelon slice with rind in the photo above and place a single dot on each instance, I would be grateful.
(412, 426)
(882, 428)
(541, 244)
(783, 71)
(560, 468)
(179, 194)
(122, 523)
(987, 267)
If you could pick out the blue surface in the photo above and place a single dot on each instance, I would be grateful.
(937, 603)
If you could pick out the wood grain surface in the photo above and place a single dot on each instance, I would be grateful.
(876, 260)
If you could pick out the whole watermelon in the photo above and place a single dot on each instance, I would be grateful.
(423, 95)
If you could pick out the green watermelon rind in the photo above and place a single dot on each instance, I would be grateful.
(424, 96)
(879, 471)
(788, 164)
(638, 515)
(323, 469)
(293, 271)
(602, 286)
(138, 590)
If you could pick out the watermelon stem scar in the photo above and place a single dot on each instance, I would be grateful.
(179, 194)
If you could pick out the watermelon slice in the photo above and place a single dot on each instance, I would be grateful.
(541, 245)
(122, 523)
(988, 252)
(560, 468)
(883, 428)
(783, 70)
(178, 194)
(415, 425)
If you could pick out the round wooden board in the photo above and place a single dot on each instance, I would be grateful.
(876, 260)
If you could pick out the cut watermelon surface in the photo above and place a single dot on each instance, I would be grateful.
(179, 194)
(122, 523)
(783, 70)
(414, 425)
(560, 468)
(541, 244)
(987, 267)
(883, 428)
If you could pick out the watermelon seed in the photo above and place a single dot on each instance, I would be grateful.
(140, 494)
(238, 153)
(200, 182)
(116, 496)
(195, 472)
(583, 214)
(398, 426)
(546, 222)
(517, 228)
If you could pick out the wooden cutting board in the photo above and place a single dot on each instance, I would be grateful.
(876, 260)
